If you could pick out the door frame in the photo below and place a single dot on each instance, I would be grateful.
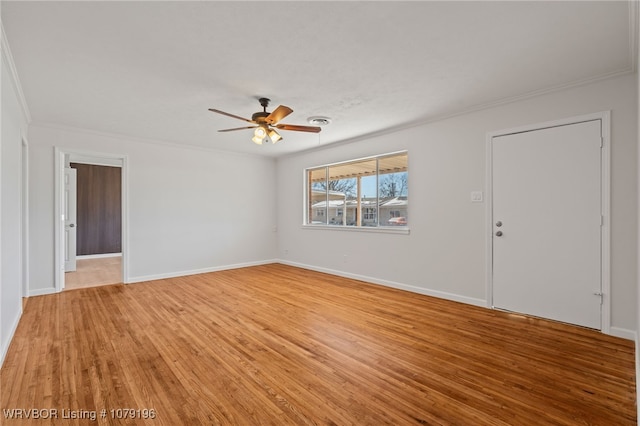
(605, 185)
(70, 185)
(59, 158)
(25, 217)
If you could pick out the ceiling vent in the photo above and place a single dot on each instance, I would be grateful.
(319, 120)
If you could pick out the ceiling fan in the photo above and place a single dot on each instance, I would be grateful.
(265, 123)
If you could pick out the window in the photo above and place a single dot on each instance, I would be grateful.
(370, 192)
(369, 213)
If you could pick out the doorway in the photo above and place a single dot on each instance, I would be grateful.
(103, 249)
(549, 221)
(94, 243)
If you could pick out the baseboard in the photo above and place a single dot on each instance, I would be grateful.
(98, 256)
(144, 278)
(392, 284)
(7, 342)
(623, 333)
(41, 291)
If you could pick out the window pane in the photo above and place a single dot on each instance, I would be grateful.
(317, 209)
(341, 196)
(346, 180)
(342, 193)
(393, 190)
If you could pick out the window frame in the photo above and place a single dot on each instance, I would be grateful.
(308, 214)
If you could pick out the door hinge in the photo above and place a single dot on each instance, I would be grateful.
(601, 141)
(601, 220)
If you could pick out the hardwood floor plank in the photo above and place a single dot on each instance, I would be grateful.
(280, 345)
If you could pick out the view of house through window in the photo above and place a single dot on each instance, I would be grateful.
(368, 192)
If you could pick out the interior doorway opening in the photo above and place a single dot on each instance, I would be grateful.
(91, 235)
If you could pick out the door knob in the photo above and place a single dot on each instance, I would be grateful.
(499, 223)
(499, 234)
(71, 225)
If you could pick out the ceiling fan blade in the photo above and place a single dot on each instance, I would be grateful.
(311, 129)
(237, 128)
(278, 114)
(231, 115)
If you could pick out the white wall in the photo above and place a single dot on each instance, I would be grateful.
(190, 210)
(13, 126)
(444, 254)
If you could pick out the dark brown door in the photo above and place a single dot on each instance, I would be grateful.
(99, 209)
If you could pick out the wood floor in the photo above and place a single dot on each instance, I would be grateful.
(284, 346)
(94, 272)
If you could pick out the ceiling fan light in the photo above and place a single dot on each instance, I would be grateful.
(260, 132)
(274, 136)
(258, 135)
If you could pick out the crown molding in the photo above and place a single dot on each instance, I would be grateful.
(394, 129)
(471, 109)
(140, 140)
(15, 80)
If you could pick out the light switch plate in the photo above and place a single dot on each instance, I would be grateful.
(476, 196)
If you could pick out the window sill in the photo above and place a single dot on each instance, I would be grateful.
(374, 229)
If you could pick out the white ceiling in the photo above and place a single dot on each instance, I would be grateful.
(152, 69)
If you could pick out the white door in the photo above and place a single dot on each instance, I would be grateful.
(70, 219)
(546, 194)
